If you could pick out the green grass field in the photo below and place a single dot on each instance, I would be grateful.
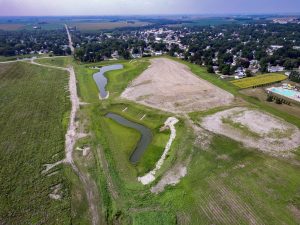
(33, 122)
(226, 184)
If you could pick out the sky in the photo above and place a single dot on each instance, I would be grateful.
(144, 7)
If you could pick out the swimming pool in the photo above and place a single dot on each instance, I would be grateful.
(286, 92)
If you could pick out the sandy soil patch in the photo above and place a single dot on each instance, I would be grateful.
(171, 86)
(150, 177)
(172, 177)
(254, 129)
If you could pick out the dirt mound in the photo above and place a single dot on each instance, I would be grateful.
(171, 86)
(254, 129)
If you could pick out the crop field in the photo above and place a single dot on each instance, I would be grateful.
(226, 182)
(11, 27)
(259, 80)
(87, 26)
(33, 121)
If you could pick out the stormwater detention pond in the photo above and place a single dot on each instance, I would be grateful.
(101, 80)
(143, 143)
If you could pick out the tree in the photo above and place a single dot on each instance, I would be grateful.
(270, 98)
(226, 70)
(288, 64)
(295, 76)
(68, 51)
(210, 69)
(248, 73)
(278, 101)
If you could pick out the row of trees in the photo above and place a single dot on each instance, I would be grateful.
(26, 41)
(295, 76)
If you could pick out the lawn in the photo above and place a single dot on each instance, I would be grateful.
(33, 121)
(259, 80)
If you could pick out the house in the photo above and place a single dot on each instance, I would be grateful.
(239, 73)
(158, 53)
(274, 69)
(135, 56)
(115, 55)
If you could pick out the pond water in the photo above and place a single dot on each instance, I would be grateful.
(144, 141)
(101, 80)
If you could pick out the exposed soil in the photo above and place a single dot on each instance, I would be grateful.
(170, 86)
(171, 177)
(255, 129)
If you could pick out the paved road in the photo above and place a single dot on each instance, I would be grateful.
(70, 39)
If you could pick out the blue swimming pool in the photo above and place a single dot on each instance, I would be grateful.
(285, 92)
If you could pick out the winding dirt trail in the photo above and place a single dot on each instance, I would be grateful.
(72, 136)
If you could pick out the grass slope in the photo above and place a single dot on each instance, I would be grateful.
(56, 61)
(33, 120)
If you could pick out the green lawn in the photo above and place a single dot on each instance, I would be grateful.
(33, 121)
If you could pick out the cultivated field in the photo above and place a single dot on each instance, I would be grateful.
(33, 121)
(254, 129)
(171, 86)
(10, 27)
(259, 80)
(106, 25)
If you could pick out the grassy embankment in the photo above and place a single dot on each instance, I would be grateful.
(226, 184)
(57, 61)
(116, 141)
(33, 121)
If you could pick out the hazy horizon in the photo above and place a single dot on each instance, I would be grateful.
(147, 7)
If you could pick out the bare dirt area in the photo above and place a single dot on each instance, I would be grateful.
(171, 177)
(255, 129)
(170, 86)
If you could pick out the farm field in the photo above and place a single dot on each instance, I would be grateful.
(87, 26)
(33, 121)
(11, 27)
(259, 80)
(226, 182)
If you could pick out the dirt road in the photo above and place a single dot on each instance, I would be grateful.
(70, 39)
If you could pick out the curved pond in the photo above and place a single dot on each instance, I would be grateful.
(101, 80)
(143, 143)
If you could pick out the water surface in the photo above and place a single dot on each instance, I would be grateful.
(101, 80)
(144, 141)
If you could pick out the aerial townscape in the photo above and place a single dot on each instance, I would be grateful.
(161, 112)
